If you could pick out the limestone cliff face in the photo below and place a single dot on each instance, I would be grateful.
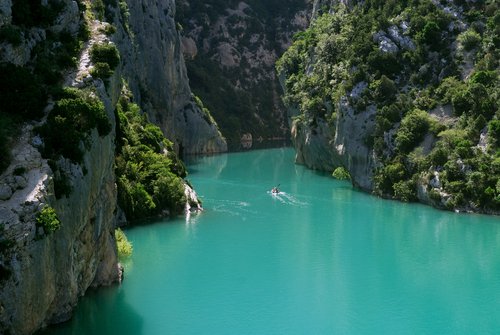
(320, 147)
(352, 130)
(231, 48)
(154, 68)
(48, 273)
(323, 145)
(43, 275)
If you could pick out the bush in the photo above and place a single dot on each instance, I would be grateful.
(435, 195)
(105, 53)
(469, 39)
(494, 132)
(389, 175)
(486, 78)
(77, 113)
(341, 173)
(383, 63)
(430, 35)
(405, 190)
(101, 70)
(449, 88)
(123, 245)
(438, 155)
(47, 218)
(412, 130)
(384, 90)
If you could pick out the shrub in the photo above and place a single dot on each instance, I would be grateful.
(389, 175)
(341, 173)
(412, 130)
(405, 190)
(123, 245)
(105, 53)
(77, 113)
(109, 29)
(494, 132)
(101, 70)
(384, 90)
(439, 155)
(469, 39)
(449, 88)
(47, 218)
(383, 63)
(486, 78)
(430, 35)
(435, 195)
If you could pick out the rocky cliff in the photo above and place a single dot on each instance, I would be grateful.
(154, 68)
(231, 48)
(43, 274)
(405, 98)
(48, 262)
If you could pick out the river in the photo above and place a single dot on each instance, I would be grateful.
(319, 258)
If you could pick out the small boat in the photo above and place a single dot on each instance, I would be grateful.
(275, 190)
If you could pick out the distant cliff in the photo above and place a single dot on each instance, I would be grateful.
(58, 183)
(405, 97)
(231, 47)
(154, 68)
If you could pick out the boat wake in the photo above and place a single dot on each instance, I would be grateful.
(286, 198)
(234, 207)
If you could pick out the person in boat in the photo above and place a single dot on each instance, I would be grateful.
(275, 190)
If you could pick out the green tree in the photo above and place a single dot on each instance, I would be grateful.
(412, 130)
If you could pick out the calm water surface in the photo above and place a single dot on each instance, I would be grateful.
(320, 258)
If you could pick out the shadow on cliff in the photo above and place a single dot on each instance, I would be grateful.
(101, 311)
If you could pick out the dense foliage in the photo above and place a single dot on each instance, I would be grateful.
(410, 60)
(105, 58)
(24, 90)
(123, 245)
(77, 112)
(148, 172)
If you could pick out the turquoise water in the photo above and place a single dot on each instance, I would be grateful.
(320, 258)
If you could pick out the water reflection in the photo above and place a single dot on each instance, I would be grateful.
(101, 311)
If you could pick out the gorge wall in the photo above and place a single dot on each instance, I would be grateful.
(154, 68)
(403, 96)
(231, 48)
(45, 269)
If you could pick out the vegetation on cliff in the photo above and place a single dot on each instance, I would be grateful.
(148, 172)
(123, 245)
(24, 89)
(431, 70)
(48, 220)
